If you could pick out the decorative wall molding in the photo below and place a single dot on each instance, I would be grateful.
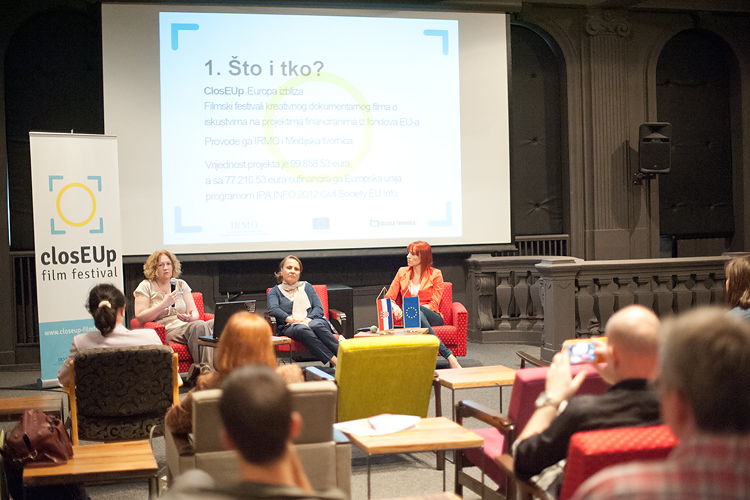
(608, 23)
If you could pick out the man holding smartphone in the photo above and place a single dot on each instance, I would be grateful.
(631, 359)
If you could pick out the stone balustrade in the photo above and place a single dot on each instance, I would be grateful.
(546, 300)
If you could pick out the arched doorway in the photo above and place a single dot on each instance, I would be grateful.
(693, 90)
(539, 170)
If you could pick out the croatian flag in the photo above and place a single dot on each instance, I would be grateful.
(385, 314)
(411, 312)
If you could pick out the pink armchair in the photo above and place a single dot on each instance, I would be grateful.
(184, 357)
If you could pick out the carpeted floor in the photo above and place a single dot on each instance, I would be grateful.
(396, 475)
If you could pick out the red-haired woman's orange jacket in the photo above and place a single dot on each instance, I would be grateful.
(430, 290)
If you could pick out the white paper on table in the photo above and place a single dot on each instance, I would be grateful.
(378, 425)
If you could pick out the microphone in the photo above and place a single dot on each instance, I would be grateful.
(173, 283)
(373, 329)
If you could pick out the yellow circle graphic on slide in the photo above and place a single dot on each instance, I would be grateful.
(93, 204)
(328, 78)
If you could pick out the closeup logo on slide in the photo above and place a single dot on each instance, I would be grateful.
(334, 80)
(180, 227)
(448, 221)
(440, 33)
(75, 204)
(177, 27)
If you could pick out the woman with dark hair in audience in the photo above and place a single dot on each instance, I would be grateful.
(738, 286)
(299, 312)
(156, 300)
(245, 340)
(107, 305)
(420, 279)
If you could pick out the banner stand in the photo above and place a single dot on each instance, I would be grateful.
(75, 187)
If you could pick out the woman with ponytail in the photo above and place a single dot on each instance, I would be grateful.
(107, 306)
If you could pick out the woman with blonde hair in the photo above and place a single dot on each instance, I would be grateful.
(245, 340)
(167, 300)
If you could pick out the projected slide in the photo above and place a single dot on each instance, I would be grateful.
(316, 128)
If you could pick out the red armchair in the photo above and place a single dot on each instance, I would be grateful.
(184, 357)
(454, 332)
(298, 347)
(591, 451)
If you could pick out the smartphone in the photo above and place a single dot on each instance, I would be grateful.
(580, 351)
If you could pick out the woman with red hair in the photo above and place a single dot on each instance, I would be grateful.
(420, 279)
(245, 340)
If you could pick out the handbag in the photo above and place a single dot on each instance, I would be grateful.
(38, 439)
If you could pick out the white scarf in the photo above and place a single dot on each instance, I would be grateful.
(300, 301)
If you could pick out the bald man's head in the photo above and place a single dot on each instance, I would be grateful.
(632, 333)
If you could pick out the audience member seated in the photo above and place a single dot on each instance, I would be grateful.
(631, 356)
(704, 390)
(107, 305)
(256, 409)
(738, 286)
(245, 340)
(156, 300)
(420, 279)
(299, 312)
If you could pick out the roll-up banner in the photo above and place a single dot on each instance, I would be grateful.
(76, 194)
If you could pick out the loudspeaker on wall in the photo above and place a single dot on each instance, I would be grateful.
(655, 148)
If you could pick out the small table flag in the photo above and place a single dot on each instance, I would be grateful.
(411, 312)
(385, 314)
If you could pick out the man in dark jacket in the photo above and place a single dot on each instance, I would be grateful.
(631, 356)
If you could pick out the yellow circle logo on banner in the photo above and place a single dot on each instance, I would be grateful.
(93, 204)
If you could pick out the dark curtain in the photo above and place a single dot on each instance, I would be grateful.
(53, 83)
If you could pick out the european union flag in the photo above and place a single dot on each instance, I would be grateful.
(411, 312)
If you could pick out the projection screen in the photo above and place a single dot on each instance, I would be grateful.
(249, 129)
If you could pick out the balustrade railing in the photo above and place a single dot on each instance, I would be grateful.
(553, 244)
(545, 300)
(25, 322)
